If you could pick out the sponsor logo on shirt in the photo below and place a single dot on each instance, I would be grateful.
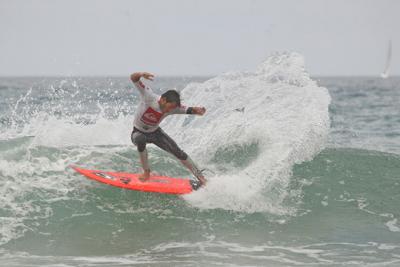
(150, 116)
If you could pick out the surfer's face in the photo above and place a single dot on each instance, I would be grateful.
(167, 106)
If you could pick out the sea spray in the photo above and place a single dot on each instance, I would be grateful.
(278, 112)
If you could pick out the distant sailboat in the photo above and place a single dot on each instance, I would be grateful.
(385, 73)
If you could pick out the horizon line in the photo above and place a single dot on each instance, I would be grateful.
(176, 75)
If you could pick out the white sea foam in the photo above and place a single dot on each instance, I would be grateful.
(285, 114)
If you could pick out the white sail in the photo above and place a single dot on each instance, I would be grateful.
(385, 73)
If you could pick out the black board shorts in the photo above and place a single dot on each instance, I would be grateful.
(160, 139)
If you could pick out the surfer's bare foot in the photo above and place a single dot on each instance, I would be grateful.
(202, 180)
(144, 176)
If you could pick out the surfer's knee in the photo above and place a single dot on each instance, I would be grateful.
(141, 147)
(181, 155)
(139, 140)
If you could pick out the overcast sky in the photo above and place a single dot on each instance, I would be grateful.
(205, 37)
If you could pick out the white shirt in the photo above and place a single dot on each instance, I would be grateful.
(148, 115)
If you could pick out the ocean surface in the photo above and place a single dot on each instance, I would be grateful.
(303, 171)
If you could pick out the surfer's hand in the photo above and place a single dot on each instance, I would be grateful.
(135, 77)
(147, 76)
(199, 110)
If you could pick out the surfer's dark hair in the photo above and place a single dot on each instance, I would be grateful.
(172, 96)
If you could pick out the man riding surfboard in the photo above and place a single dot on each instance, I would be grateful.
(152, 109)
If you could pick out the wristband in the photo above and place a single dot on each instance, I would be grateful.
(190, 110)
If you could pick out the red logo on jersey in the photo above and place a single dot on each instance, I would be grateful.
(150, 116)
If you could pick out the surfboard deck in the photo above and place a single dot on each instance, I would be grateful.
(156, 183)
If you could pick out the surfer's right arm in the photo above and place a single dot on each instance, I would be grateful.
(135, 78)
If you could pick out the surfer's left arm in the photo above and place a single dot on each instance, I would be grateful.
(196, 110)
(190, 110)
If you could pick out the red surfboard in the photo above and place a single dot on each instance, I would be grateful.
(156, 183)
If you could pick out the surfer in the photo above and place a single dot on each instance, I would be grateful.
(151, 111)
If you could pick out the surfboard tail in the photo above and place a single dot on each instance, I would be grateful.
(195, 184)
